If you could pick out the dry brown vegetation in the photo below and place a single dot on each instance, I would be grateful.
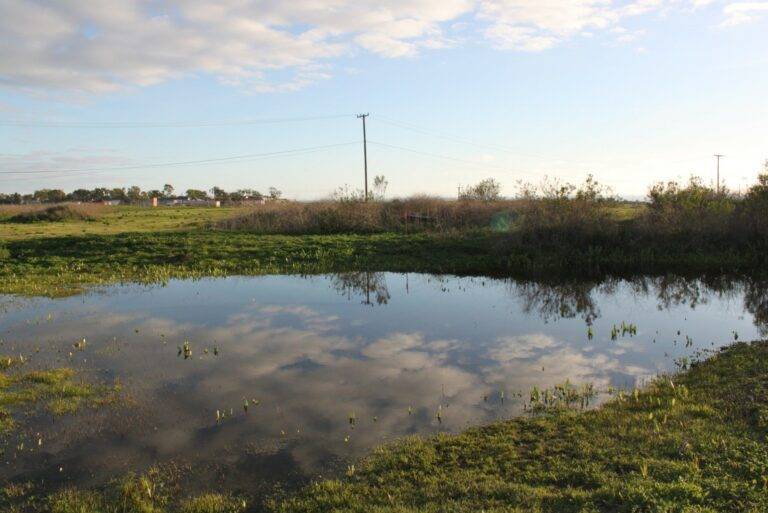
(49, 213)
(419, 213)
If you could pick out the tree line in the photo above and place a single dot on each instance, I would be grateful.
(134, 194)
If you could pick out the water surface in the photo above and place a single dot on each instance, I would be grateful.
(308, 353)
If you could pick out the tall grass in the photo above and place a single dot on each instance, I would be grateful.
(420, 213)
(557, 212)
(48, 213)
(690, 215)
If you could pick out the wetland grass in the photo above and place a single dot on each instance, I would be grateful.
(58, 391)
(692, 442)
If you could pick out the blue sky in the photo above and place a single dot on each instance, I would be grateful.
(458, 90)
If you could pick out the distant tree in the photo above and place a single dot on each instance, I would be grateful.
(167, 190)
(219, 194)
(195, 194)
(100, 194)
(118, 193)
(155, 194)
(134, 194)
(49, 195)
(249, 194)
(485, 190)
(83, 195)
(380, 185)
(274, 193)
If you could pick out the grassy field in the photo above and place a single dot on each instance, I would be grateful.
(113, 220)
(691, 442)
(127, 244)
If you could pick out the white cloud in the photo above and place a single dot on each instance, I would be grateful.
(95, 47)
(539, 25)
(738, 13)
(107, 45)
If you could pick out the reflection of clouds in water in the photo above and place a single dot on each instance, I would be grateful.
(313, 382)
(523, 361)
(311, 366)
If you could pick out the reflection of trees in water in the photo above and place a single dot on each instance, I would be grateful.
(562, 300)
(568, 300)
(577, 298)
(672, 291)
(756, 303)
(371, 286)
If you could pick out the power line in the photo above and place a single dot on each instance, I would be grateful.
(416, 129)
(165, 124)
(424, 131)
(445, 157)
(235, 158)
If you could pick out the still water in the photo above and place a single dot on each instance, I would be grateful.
(308, 353)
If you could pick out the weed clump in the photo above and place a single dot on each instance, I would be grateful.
(55, 390)
(52, 214)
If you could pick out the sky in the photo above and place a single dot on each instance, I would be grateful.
(264, 93)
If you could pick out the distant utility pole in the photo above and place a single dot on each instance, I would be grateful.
(365, 152)
(718, 157)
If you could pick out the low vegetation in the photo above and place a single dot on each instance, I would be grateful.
(56, 213)
(694, 442)
(551, 228)
(112, 220)
(57, 391)
(416, 214)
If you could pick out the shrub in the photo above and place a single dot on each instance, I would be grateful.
(55, 213)
(752, 215)
(693, 210)
(350, 214)
(555, 212)
(486, 190)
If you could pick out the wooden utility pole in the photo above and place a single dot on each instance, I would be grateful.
(365, 152)
(718, 157)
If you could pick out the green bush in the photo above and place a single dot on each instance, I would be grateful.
(694, 210)
(555, 212)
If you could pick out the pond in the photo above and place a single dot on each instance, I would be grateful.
(332, 366)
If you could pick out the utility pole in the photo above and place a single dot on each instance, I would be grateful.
(718, 157)
(365, 152)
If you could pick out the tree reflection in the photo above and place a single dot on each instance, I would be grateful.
(578, 298)
(367, 284)
(756, 303)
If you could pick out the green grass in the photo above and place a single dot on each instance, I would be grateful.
(121, 219)
(131, 244)
(693, 442)
(58, 391)
(65, 265)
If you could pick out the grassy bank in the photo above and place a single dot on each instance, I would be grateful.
(693, 442)
(62, 265)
